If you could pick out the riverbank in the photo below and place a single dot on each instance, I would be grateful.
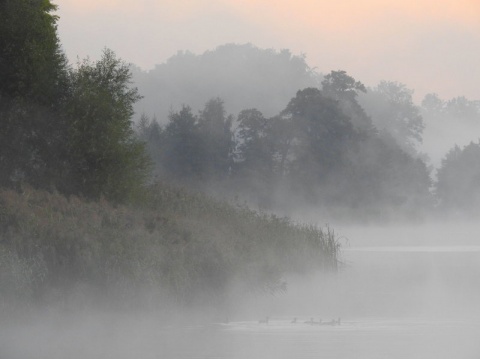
(175, 246)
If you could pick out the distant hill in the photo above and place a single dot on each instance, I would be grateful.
(244, 76)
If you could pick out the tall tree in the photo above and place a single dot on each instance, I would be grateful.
(32, 64)
(182, 149)
(322, 135)
(215, 129)
(105, 156)
(33, 87)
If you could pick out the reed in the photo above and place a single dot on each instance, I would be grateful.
(174, 246)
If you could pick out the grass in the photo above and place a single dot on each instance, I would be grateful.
(175, 246)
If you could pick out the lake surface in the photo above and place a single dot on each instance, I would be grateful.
(401, 293)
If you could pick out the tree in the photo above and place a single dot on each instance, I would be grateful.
(342, 85)
(462, 108)
(217, 141)
(433, 104)
(150, 132)
(322, 135)
(255, 161)
(32, 64)
(33, 87)
(182, 150)
(105, 156)
(391, 108)
(345, 89)
(252, 132)
(458, 179)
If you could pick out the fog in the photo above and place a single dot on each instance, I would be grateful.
(402, 292)
(407, 285)
(151, 224)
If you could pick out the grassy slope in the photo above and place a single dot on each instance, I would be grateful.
(176, 245)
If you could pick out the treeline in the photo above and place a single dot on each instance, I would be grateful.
(245, 76)
(338, 145)
(322, 151)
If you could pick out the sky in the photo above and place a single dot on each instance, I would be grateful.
(428, 45)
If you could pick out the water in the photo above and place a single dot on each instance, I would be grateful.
(403, 293)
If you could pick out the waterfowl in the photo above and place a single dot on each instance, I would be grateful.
(294, 320)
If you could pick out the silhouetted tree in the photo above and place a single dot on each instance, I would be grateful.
(217, 141)
(345, 89)
(33, 86)
(322, 134)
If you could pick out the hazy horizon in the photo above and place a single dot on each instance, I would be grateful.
(430, 46)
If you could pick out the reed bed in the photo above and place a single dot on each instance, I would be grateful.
(175, 245)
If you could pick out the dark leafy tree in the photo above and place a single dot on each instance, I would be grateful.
(32, 64)
(33, 86)
(105, 156)
(322, 135)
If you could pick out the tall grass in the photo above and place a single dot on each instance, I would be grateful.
(175, 246)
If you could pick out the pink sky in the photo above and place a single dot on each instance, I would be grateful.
(431, 46)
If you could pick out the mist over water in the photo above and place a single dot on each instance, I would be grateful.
(402, 292)
(126, 221)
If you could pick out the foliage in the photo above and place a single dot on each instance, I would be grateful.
(195, 150)
(31, 62)
(182, 158)
(105, 156)
(392, 110)
(321, 136)
(63, 128)
(178, 246)
(311, 153)
(342, 87)
(457, 108)
(458, 184)
(215, 131)
(33, 87)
